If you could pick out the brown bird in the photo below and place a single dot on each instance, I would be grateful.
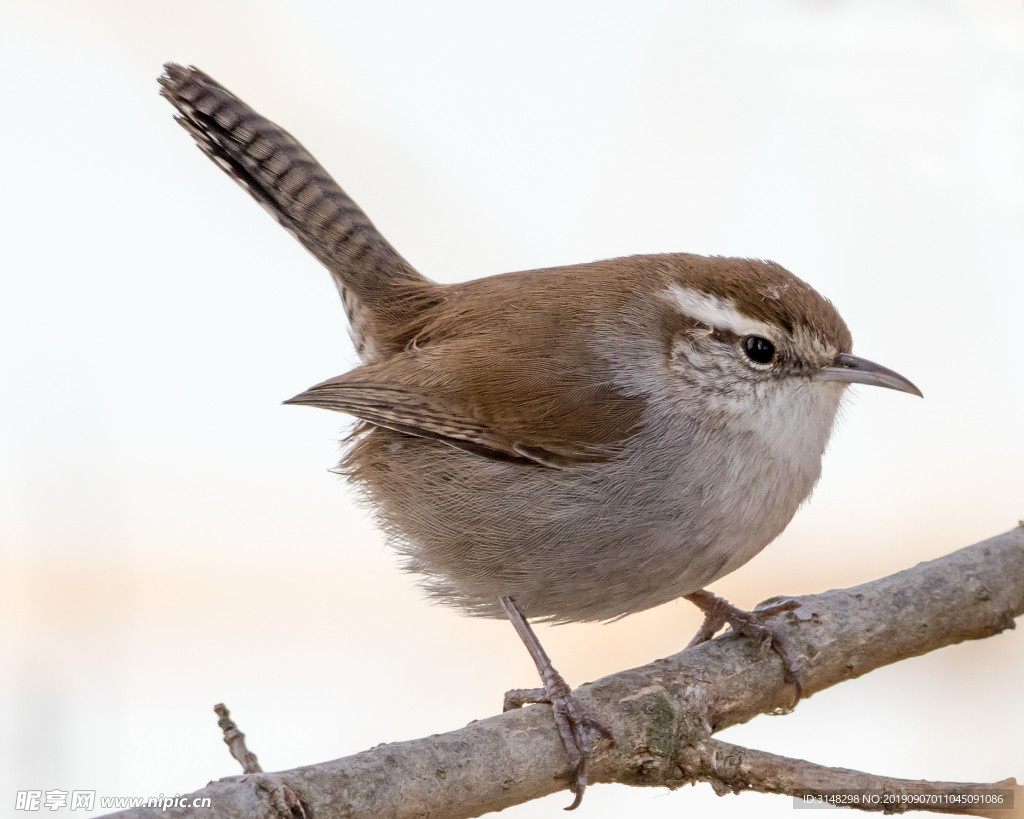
(572, 444)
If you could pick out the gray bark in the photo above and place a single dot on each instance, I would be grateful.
(662, 714)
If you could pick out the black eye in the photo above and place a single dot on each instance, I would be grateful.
(759, 349)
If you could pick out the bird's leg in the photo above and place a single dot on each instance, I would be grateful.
(718, 612)
(579, 731)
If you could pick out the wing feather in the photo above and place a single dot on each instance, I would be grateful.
(543, 418)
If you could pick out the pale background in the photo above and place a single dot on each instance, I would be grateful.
(170, 536)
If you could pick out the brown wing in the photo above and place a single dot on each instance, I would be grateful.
(489, 402)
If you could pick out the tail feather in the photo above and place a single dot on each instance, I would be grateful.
(373, 279)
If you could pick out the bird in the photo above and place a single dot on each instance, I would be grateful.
(572, 444)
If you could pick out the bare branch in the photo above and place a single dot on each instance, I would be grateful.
(281, 799)
(235, 740)
(660, 712)
(731, 769)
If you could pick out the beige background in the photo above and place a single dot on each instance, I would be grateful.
(170, 536)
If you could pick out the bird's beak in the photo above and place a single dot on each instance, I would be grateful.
(854, 370)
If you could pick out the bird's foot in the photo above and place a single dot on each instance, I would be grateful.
(579, 731)
(718, 612)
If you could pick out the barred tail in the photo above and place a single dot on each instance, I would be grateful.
(283, 177)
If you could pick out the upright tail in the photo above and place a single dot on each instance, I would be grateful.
(380, 289)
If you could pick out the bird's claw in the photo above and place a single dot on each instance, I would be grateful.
(719, 612)
(518, 697)
(579, 731)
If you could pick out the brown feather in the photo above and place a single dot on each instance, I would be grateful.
(378, 287)
(538, 385)
(455, 394)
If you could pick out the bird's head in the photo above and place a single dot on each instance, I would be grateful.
(754, 344)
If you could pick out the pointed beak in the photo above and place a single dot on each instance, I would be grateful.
(854, 370)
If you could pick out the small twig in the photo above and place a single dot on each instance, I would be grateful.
(282, 800)
(731, 769)
(235, 740)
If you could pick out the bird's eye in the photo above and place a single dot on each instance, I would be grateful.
(759, 349)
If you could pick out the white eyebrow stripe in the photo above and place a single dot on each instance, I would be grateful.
(716, 312)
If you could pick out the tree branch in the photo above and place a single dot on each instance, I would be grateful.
(731, 769)
(662, 714)
(235, 740)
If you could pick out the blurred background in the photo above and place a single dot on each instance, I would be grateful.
(170, 535)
